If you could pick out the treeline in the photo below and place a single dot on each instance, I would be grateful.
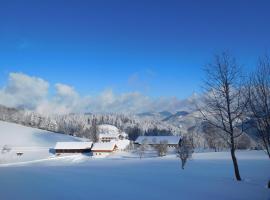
(81, 125)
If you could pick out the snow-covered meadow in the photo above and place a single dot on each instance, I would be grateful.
(207, 176)
(39, 175)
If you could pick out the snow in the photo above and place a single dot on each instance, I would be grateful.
(158, 139)
(21, 136)
(73, 145)
(106, 128)
(133, 179)
(110, 131)
(35, 144)
(122, 175)
(106, 146)
(122, 144)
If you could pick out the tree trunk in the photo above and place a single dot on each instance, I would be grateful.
(235, 165)
(267, 151)
(183, 165)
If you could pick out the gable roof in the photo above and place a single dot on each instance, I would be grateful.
(73, 145)
(103, 146)
(158, 139)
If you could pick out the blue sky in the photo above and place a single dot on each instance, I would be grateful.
(154, 47)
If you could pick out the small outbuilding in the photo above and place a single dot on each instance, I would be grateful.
(103, 148)
(73, 147)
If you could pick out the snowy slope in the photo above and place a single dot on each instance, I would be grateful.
(20, 136)
(33, 143)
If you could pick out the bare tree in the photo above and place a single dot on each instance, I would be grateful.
(259, 104)
(142, 148)
(185, 149)
(94, 130)
(224, 104)
(243, 142)
(162, 148)
(213, 139)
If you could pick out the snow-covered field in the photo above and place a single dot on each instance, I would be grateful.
(82, 177)
(124, 176)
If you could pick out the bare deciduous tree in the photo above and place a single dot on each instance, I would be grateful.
(224, 104)
(185, 149)
(213, 139)
(162, 148)
(143, 146)
(94, 130)
(259, 104)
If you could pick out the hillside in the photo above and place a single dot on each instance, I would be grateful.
(34, 143)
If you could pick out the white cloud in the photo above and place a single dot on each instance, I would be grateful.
(31, 93)
(23, 91)
(65, 91)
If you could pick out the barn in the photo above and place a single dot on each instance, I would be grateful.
(73, 147)
(172, 141)
(103, 148)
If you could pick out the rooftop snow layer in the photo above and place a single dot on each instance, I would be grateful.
(158, 139)
(106, 146)
(73, 145)
(106, 128)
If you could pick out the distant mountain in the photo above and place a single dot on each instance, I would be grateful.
(178, 114)
(146, 114)
(155, 115)
(165, 113)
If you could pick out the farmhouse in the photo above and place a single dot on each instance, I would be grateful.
(110, 133)
(108, 137)
(172, 141)
(103, 148)
(73, 147)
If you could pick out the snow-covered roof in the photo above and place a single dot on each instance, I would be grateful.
(106, 128)
(103, 146)
(73, 145)
(122, 144)
(158, 139)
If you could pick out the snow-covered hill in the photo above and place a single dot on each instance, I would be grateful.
(16, 135)
(33, 143)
